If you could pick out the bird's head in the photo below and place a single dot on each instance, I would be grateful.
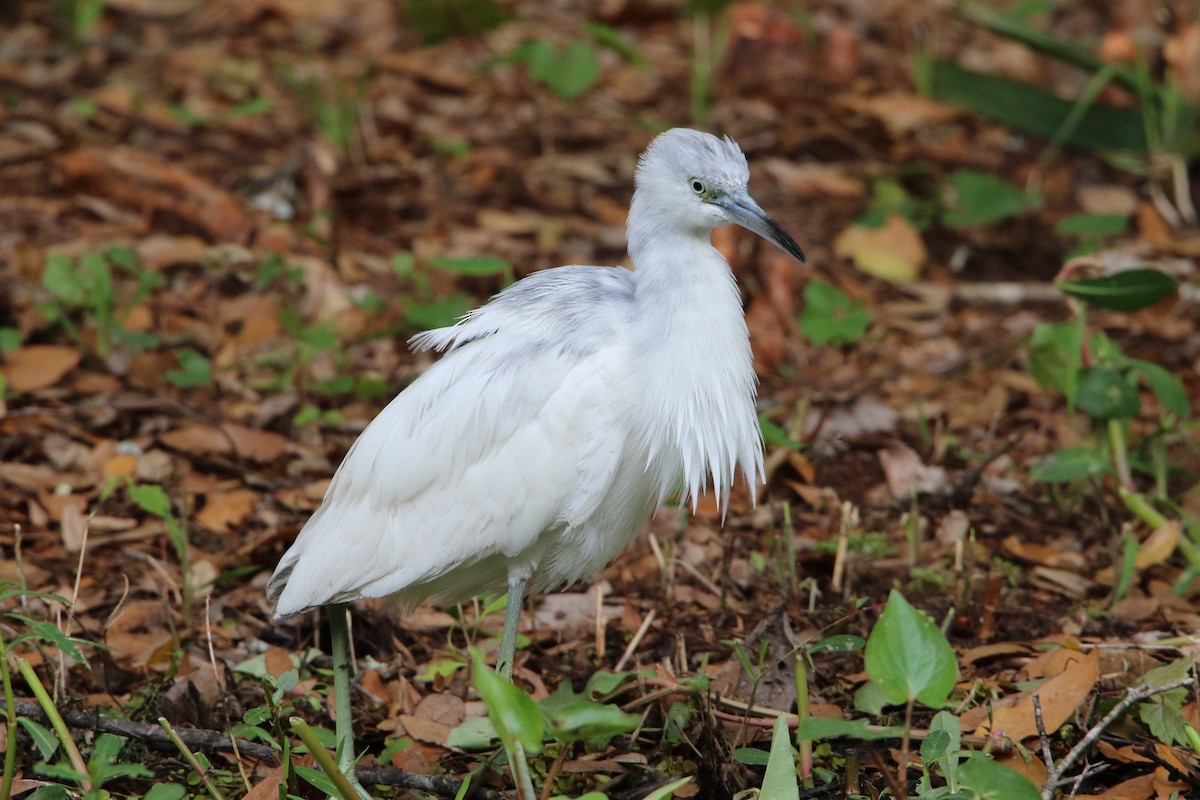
(696, 181)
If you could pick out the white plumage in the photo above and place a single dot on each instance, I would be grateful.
(560, 414)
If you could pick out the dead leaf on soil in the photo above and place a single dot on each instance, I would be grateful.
(223, 511)
(1060, 695)
(906, 474)
(37, 366)
(903, 112)
(893, 251)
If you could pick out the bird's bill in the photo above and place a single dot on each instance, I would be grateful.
(749, 215)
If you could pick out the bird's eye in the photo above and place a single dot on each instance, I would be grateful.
(698, 186)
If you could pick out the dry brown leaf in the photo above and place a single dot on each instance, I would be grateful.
(74, 527)
(425, 730)
(904, 112)
(906, 474)
(255, 444)
(278, 661)
(1139, 788)
(196, 439)
(1060, 696)
(223, 511)
(894, 251)
(141, 180)
(1159, 545)
(37, 366)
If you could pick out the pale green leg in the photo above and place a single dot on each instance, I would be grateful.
(512, 622)
(339, 639)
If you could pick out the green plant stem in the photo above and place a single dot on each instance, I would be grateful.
(10, 708)
(190, 757)
(520, 769)
(802, 710)
(339, 636)
(56, 721)
(324, 761)
(1116, 439)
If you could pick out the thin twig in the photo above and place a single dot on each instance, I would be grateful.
(1043, 737)
(1135, 695)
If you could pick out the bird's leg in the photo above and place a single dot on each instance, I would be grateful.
(517, 578)
(339, 639)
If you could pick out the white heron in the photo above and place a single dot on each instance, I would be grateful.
(563, 411)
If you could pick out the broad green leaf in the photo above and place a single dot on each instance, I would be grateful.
(151, 498)
(10, 339)
(569, 72)
(514, 713)
(166, 791)
(982, 199)
(60, 280)
(779, 781)
(909, 656)
(44, 739)
(437, 313)
(935, 745)
(830, 316)
(1093, 225)
(1125, 291)
(1165, 721)
(1105, 394)
(870, 698)
(195, 369)
(776, 436)
(477, 733)
(1166, 387)
(582, 720)
(1069, 464)
(317, 778)
(441, 668)
(991, 781)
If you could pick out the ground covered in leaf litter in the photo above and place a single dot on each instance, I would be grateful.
(220, 220)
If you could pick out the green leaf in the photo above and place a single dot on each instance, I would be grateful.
(982, 199)
(1055, 354)
(935, 745)
(1105, 394)
(830, 316)
(437, 313)
(1070, 464)
(44, 739)
(668, 791)
(318, 779)
(813, 728)
(1125, 291)
(10, 339)
(440, 668)
(514, 713)
(1093, 225)
(166, 791)
(568, 72)
(582, 720)
(473, 266)
(611, 38)
(60, 279)
(838, 643)
(776, 436)
(1167, 387)
(909, 656)
(339, 384)
(151, 498)
(1029, 108)
(195, 369)
(472, 735)
(991, 781)
(779, 781)
(49, 632)
(1166, 722)
(751, 756)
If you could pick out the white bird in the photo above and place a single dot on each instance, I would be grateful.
(563, 412)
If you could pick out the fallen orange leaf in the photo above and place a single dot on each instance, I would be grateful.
(37, 366)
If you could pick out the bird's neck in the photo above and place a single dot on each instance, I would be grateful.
(692, 351)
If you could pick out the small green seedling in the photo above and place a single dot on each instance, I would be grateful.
(830, 317)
